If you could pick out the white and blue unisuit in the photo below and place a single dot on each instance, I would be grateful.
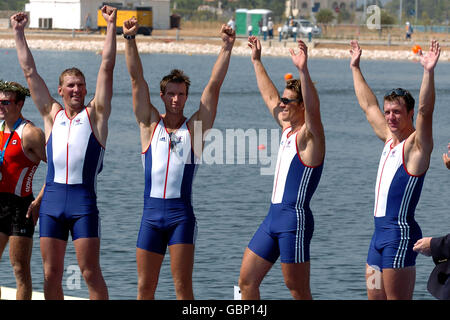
(287, 230)
(75, 157)
(169, 165)
(397, 193)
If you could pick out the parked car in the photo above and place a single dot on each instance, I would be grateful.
(304, 27)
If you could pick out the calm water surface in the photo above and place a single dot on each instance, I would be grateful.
(231, 200)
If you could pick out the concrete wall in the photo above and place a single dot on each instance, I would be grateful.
(161, 12)
(71, 14)
(65, 14)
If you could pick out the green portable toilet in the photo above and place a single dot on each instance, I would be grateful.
(241, 21)
(255, 15)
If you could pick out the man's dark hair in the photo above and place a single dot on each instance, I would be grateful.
(175, 76)
(399, 95)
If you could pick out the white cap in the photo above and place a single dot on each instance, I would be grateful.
(407, 22)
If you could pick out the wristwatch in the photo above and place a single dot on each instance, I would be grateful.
(128, 37)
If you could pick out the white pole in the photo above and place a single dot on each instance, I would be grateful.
(417, 9)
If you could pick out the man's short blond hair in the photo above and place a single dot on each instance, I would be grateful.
(295, 85)
(70, 72)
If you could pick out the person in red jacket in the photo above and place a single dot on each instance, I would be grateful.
(22, 147)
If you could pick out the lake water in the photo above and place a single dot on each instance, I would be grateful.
(231, 200)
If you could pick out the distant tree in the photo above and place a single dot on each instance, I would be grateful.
(324, 16)
(12, 4)
(344, 16)
(387, 18)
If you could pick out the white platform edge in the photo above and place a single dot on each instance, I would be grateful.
(10, 294)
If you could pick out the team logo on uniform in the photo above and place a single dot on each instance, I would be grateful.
(162, 139)
(14, 142)
(63, 123)
(77, 122)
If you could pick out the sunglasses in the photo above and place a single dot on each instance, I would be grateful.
(5, 102)
(286, 100)
(398, 92)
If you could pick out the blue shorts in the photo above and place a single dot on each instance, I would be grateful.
(392, 246)
(67, 208)
(166, 222)
(286, 232)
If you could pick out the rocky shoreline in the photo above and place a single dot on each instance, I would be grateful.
(207, 47)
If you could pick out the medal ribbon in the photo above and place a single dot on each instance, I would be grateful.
(2, 152)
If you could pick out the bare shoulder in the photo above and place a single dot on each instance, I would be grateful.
(413, 145)
(417, 157)
(31, 131)
(55, 108)
(310, 147)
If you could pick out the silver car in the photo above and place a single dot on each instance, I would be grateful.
(303, 26)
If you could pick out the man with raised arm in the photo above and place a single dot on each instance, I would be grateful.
(22, 147)
(287, 230)
(76, 135)
(171, 145)
(401, 172)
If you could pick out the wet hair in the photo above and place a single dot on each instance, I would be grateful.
(175, 76)
(70, 72)
(15, 87)
(295, 85)
(398, 95)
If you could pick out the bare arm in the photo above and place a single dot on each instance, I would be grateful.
(101, 104)
(266, 87)
(424, 136)
(309, 93)
(33, 209)
(366, 98)
(210, 97)
(146, 114)
(46, 105)
(33, 141)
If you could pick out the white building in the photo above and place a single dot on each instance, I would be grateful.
(72, 14)
(303, 7)
(161, 12)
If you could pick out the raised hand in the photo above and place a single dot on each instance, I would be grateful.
(355, 52)
(228, 35)
(255, 45)
(130, 27)
(19, 21)
(299, 59)
(446, 157)
(430, 59)
(109, 13)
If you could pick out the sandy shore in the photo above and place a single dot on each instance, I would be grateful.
(194, 46)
